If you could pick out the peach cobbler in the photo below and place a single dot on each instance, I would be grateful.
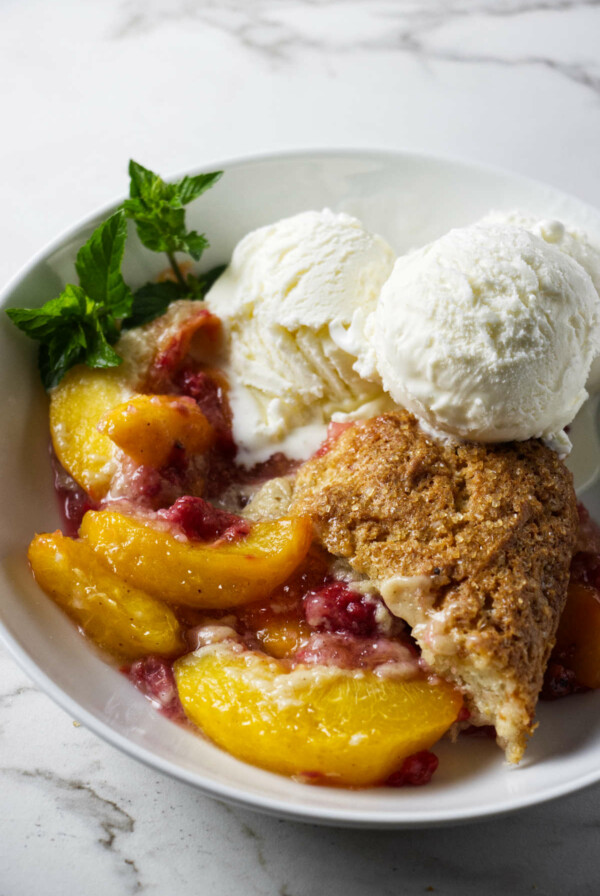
(323, 516)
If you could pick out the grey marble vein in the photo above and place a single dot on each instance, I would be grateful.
(400, 28)
(7, 697)
(576, 72)
(82, 800)
(240, 17)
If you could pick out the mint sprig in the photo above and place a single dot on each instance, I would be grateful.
(152, 300)
(83, 322)
(79, 325)
(158, 210)
(98, 266)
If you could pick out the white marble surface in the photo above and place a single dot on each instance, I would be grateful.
(176, 84)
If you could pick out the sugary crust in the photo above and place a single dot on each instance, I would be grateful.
(490, 530)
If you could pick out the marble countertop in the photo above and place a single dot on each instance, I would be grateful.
(177, 84)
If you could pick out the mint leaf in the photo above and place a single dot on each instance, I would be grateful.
(72, 329)
(150, 187)
(192, 187)
(201, 283)
(195, 244)
(79, 325)
(56, 358)
(157, 208)
(152, 300)
(41, 323)
(98, 265)
(99, 352)
(143, 181)
(82, 323)
(159, 229)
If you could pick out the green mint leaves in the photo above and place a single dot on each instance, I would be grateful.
(83, 322)
(98, 266)
(158, 210)
(80, 324)
(153, 299)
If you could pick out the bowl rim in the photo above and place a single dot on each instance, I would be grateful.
(231, 795)
(102, 211)
(357, 818)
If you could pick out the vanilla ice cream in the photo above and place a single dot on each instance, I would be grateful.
(569, 239)
(488, 334)
(293, 303)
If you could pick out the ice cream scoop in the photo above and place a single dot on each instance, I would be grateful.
(293, 302)
(569, 239)
(488, 334)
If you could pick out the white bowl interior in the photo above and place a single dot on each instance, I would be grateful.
(409, 200)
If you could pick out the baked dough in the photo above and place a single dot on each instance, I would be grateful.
(469, 543)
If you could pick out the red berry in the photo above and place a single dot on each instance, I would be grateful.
(200, 521)
(336, 608)
(153, 676)
(559, 679)
(209, 397)
(415, 771)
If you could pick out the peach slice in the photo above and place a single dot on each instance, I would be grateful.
(150, 354)
(118, 618)
(579, 634)
(283, 635)
(277, 623)
(76, 406)
(354, 728)
(213, 575)
(147, 427)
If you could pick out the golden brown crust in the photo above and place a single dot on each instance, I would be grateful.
(492, 528)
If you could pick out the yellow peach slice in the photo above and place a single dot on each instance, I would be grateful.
(579, 633)
(84, 395)
(198, 574)
(147, 427)
(76, 406)
(118, 618)
(283, 635)
(355, 728)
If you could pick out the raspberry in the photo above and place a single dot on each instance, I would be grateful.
(200, 521)
(415, 771)
(336, 608)
(559, 681)
(209, 397)
(154, 677)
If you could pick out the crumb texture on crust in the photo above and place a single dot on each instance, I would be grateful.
(490, 528)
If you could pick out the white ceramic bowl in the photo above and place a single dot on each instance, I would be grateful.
(409, 199)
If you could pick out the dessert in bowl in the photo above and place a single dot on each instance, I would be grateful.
(317, 480)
